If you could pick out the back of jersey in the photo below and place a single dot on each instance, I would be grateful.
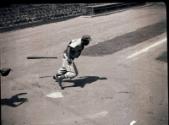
(75, 43)
(76, 47)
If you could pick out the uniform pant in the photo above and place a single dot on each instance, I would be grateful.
(68, 70)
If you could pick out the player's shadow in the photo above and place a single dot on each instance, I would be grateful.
(82, 81)
(14, 101)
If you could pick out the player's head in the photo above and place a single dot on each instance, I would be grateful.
(86, 39)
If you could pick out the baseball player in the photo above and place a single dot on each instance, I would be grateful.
(73, 50)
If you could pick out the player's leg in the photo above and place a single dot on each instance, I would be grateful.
(72, 71)
(69, 72)
(59, 76)
(61, 70)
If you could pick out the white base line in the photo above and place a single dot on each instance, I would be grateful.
(147, 48)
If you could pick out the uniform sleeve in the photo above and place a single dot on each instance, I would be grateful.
(70, 52)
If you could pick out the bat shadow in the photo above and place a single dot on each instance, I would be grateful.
(82, 81)
(14, 101)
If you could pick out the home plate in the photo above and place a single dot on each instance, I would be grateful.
(55, 95)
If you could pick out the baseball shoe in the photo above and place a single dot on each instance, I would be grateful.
(59, 79)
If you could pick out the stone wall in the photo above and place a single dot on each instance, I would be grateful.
(15, 15)
(18, 15)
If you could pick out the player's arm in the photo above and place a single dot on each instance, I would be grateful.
(69, 53)
(75, 68)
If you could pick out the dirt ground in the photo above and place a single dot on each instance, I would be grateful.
(122, 73)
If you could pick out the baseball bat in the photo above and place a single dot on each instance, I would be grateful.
(41, 57)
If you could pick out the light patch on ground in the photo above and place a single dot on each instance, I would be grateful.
(133, 122)
(98, 115)
(55, 95)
